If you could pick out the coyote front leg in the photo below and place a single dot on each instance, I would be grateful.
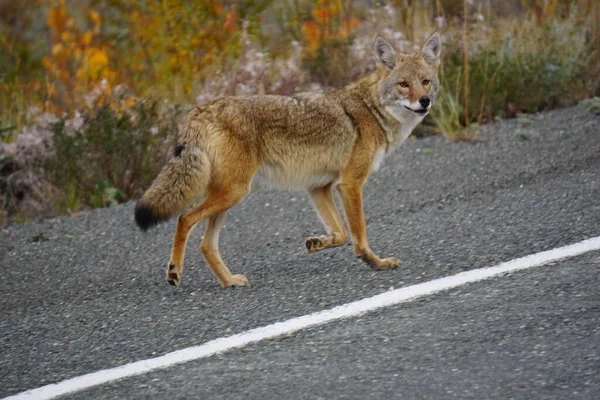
(351, 194)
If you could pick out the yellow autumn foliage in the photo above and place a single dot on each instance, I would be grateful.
(97, 60)
(172, 48)
(329, 22)
(79, 60)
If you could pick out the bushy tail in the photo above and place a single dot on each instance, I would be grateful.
(181, 182)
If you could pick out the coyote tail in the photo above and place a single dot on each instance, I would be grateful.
(181, 182)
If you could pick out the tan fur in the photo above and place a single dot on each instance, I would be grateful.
(307, 141)
(182, 180)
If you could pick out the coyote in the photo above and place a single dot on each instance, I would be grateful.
(305, 141)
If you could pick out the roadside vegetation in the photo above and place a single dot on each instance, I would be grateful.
(92, 92)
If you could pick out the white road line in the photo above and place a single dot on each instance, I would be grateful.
(291, 325)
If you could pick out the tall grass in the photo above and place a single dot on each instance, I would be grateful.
(507, 66)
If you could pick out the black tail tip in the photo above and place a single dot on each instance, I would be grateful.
(144, 217)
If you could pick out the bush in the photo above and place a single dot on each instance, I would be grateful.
(521, 66)
(73, 130)
(112, 156)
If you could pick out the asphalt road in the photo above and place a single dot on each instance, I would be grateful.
(85, 293)
(530, 335)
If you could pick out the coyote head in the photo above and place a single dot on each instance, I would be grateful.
(409, 83)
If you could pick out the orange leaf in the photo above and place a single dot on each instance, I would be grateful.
(86, 40)
(231, 19)
(350, 26)
(47, 63)
(57, 19)
(312, 33)
(57, 49)
(321, 15)
(96, 19)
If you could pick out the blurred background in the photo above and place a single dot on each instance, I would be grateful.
(92, 91)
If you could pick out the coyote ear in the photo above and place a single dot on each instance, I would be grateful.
(430, 52)
(385, 53)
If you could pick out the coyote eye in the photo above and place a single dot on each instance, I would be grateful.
(426, 82)
(403, 84)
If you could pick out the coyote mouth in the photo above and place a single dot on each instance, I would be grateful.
(422, 111)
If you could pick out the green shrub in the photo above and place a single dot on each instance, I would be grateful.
(592, 105)
(113, 156)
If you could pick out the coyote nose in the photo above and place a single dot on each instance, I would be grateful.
(425, 101)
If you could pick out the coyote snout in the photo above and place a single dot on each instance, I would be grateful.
(309, 141)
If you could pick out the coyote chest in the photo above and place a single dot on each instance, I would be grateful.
(408, 121)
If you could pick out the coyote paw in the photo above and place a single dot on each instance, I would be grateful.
(174, 275)
(235, 280)
(314, 244)
(318, 243)
(386, 263)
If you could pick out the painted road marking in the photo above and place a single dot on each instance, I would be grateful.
(386, 299)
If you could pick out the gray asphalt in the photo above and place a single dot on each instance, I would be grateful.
(84, 293)
(530, 335)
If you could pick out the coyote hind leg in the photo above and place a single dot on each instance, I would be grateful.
(210, 250)
(216, 203)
